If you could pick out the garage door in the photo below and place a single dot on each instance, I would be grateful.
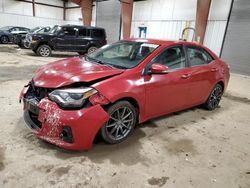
(108, 17)
(236, 49)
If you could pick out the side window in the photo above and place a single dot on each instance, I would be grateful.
(82, 32)
(69, 31)
(173, 58)
(97, 33)
(198, 56)
(14, 29)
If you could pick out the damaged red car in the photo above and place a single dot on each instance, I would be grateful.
(68, 102)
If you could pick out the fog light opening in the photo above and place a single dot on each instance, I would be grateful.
(66, 135)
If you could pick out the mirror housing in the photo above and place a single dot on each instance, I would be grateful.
(158, 69)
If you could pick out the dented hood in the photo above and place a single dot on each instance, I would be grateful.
(69, 71)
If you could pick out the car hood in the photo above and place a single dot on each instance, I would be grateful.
(72, 70)
(19, 32)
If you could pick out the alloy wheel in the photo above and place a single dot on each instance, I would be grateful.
(92, 49)
(215, 97)
(120, 123)
(44, 51)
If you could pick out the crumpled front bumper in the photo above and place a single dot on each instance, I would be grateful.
(83, 124)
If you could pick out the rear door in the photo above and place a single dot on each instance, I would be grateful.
(65, 40)
(203, 70)
(82, 39)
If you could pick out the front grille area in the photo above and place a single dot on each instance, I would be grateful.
(31, 99)
(34, 119)
(37, 92)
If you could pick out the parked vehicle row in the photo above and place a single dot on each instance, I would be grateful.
(8, 33)
(24, 40)
(44, 40)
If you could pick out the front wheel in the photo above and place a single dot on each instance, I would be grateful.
(4, 39)
(214, 98)
(44, 51)
(123, 117)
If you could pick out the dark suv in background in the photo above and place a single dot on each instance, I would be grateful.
(70, 38)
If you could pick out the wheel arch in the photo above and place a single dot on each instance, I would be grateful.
(45, 43)
(222, 85)
(131, 100)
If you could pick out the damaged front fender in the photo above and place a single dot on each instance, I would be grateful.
(84, 124)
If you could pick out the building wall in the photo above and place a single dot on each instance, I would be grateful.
(108, 16)
(237, 42)
(216, 25)
(165, 19)
(20, 14)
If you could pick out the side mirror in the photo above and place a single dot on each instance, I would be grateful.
(158, 69)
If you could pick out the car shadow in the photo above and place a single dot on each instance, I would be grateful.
(56, 55)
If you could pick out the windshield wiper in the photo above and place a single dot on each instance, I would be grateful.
(99, 61)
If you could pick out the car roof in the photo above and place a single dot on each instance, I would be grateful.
(163, 42)
(87, 27)
(172, 42)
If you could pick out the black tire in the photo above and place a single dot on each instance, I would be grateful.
(123, 118)
(26, 45)
(35, 51)
(91, 49)
(20, 44)
(214, 98)
(4, 39)
(44, 50)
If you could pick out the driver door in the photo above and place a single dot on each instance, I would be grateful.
(167, 93)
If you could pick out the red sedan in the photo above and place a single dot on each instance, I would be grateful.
(120, 85)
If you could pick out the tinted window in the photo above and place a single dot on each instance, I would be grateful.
(69, 31)
(173, 58)
(14, 29)
(97, 33)
(23, 29)
(198, 56)
(82, 32)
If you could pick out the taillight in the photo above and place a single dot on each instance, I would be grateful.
(98, 99)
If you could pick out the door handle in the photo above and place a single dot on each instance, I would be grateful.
(214, 70)
(185, 76)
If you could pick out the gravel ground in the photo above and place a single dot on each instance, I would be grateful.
(192, 148)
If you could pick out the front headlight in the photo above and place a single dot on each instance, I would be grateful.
(71, 98)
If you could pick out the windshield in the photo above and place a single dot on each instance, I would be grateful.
(34, 29)
(55, 29)
(5, 28)
(124, 55)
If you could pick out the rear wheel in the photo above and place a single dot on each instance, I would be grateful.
(123, 117)
(91, 49)
(214, 98)
(44, 50)
(4, 39)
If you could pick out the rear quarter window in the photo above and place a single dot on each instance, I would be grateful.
(198, 56)
(98, 33)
